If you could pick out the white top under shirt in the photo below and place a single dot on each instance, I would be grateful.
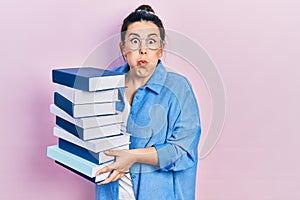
(125, 184)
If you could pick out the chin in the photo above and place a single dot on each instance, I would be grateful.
(143, 74)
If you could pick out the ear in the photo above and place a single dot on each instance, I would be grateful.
(121, 45)
(161, 50)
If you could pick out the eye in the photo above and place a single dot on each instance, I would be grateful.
(135, 41)
(151, 41)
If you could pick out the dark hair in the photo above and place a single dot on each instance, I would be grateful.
(142, 13)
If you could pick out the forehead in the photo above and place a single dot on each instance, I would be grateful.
(143, 28)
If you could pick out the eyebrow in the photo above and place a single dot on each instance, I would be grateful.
(151, 34)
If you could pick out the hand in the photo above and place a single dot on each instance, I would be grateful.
(124, 159)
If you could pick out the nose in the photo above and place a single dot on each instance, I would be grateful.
(143, 47)
(143, 50)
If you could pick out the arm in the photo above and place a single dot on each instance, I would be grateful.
(145, 155)
(180, 150)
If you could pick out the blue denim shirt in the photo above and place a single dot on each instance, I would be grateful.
(164, 114)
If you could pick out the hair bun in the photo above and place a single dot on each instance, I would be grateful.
(145, 8)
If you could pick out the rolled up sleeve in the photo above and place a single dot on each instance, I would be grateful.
(180, 150)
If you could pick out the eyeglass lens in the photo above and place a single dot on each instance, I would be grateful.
(135, 43)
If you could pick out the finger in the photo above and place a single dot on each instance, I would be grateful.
(104, 169)
(110, 178)
(118, 177)
(107, 168)
(112, 152)
(121, 175)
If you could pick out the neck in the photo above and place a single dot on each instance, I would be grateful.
(136, 81)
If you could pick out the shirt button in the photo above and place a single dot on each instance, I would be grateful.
(133, 176)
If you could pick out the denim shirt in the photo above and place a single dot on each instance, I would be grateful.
(164, 114)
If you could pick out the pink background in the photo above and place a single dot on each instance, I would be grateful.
(255, 45)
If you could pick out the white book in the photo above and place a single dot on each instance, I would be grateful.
(86, 122)
(101, 131)
(77, 163)
(96, 158)
(89, 133)
(88, 78)
(81, 97)
(95, 145)
(84, 110)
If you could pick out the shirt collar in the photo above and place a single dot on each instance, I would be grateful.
(157, 79)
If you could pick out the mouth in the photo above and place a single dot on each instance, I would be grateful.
(142, 62)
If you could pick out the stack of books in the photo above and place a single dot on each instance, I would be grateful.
(87, 122)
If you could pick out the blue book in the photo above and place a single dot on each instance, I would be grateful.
(97, 158)
(94, 180)
(84, 110)
(96, 145)
(82, 152)
(89, 133)
(76, 172)
(88, 78)
(77, 163)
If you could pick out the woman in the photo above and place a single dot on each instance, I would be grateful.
(163, 120)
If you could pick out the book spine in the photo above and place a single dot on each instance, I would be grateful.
(63, 104)
(71, 128)
(91, 133)
(71, 160)
(95, 145)
(62, 114)
(75, 162)
(70, 80)
(61, 133)
(82, 152)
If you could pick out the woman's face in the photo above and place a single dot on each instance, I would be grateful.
(142, 48)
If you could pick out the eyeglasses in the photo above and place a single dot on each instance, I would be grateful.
(153, 43)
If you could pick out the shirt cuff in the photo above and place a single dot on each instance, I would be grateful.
(166, 156)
